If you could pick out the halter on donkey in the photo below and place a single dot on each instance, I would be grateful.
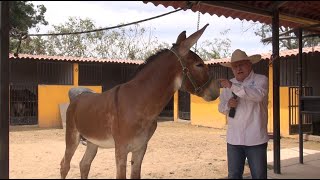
(124, 117)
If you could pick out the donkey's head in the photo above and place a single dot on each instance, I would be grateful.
(195, 74)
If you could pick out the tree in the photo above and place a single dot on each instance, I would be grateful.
(123, 43)
(216, 49)
(29, 45)
(23, 16)
(265, 31)
(131, 42)
(78, 45)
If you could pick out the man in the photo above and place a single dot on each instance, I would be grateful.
(247, 135)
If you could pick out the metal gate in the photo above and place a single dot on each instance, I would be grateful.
(90, 74)
(184, 105)
(23, 104)
(294, 111)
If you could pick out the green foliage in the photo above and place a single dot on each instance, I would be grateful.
(78, 45)
(23, 16)
(132, 42)
(216, 49)
(29, 46)
(122, 43)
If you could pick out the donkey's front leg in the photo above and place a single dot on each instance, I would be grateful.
(121, 162)
(138, 155)
(136, 161)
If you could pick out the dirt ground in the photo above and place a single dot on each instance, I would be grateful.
(176, 151)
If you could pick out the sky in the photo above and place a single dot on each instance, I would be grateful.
(166, 28)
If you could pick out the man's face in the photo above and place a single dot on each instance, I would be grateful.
(241, 69)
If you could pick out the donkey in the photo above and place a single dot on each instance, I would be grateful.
(124, 117)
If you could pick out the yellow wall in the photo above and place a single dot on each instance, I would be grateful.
(75, 74)
(49, 98)
(175, 106)
(205, 113)
(284, 107)
(284, 112)
(270, 102)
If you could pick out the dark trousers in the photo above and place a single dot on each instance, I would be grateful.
(257, 159)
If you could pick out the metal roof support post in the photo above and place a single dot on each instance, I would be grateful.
(300, 94)
(276, 84)
(4, 90)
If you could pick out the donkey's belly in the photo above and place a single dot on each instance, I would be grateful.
(105, 143)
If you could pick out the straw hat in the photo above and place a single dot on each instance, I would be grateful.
(239, 55)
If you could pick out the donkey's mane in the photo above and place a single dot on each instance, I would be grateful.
(148, 61)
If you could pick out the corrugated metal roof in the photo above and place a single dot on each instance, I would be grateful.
(292, 13)
(266, 56)
(74, 59)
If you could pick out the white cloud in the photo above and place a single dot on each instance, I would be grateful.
(111, 13)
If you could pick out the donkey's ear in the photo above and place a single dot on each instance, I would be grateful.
(181, 37)
(186, 44)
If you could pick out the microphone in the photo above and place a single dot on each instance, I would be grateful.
(232, 111)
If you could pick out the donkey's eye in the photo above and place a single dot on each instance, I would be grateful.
(200, 65)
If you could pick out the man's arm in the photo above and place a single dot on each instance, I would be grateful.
(223, 105)
(255, 92)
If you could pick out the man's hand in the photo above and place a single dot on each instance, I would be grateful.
(225, 83)
(232, 103)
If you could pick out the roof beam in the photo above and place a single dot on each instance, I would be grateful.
(278, 4)
(299, 20)
(238, 6)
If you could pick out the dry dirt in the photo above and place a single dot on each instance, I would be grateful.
(176, 151)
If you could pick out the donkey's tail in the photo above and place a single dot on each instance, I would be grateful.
(74, 92)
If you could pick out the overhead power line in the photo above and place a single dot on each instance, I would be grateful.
(106, 28)
(23, 35)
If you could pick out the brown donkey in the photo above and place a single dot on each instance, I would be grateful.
(124, 117)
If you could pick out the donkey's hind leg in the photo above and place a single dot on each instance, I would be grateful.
(72, 142)
(87, 159)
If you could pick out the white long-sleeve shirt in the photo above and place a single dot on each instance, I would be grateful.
(249, 125)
